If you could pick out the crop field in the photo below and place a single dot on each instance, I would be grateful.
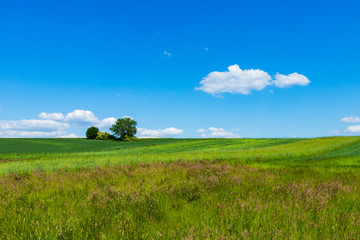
(180, 189)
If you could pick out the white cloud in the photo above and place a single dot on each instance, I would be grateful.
(213, 132)
(351, 119)
(159, 133)
(52, 124)
(106, 122)
(353, 129)
(235, 80)
(206, 49)
(33, 125)
(82, 117)
(32, 128)
(72, 135)
(51, 116)
(284, 81)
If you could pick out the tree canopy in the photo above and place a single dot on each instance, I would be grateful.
(124, 128)
(92, 132)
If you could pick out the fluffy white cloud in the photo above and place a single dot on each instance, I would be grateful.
(82, 117)
(51, 116)
(235, 80)
(353, 129)
(351, 119)
(106, 122)
(159, 133)
(284, 81)
(32, 128)
(213, 132)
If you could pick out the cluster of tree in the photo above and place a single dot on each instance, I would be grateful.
(124, 129)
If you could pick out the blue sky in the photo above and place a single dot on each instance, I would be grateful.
(180, 68)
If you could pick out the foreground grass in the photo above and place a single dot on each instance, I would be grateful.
(181, 200)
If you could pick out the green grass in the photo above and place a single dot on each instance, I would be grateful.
(180, 189)
(257, 152)
(61, 145)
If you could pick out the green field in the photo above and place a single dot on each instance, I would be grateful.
(180, 189)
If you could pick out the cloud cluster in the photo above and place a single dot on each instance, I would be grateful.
(79, 117)
(354, 128)
(55, 125)
(52, 124)
(213, 132)
(33, 125)
(159, 133)
(236, 80)
(32, 128)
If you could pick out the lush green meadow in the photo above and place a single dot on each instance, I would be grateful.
(180, 189)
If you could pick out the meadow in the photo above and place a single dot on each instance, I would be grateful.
(180, 189)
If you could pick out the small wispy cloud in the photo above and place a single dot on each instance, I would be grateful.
(51, 116)
(167, 53)
(167, 132)
(72, 135)
(213, 132)
(350, 119)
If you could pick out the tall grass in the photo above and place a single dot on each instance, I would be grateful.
(181, 200)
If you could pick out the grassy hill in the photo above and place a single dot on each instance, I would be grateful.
(180, 189)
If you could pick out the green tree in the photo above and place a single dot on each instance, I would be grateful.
(124, 128)
(91, 133)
